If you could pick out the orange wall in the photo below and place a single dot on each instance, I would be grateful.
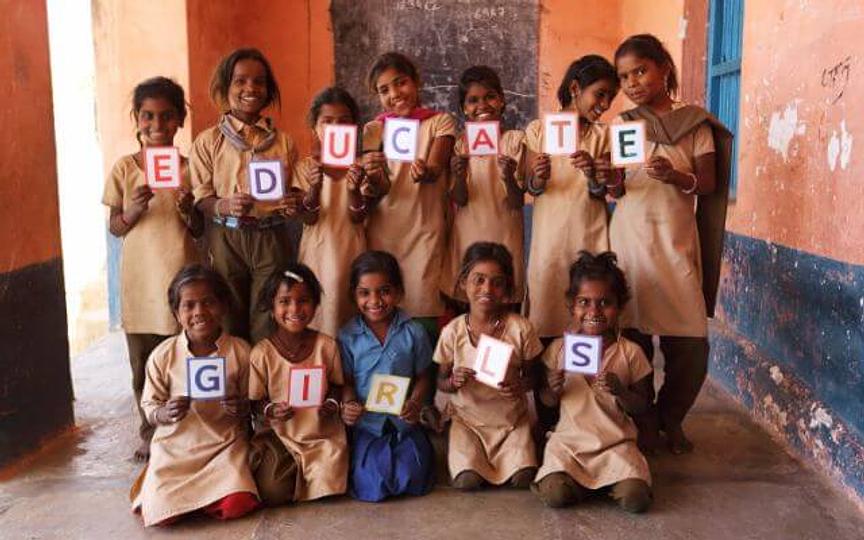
(793, 188)
(296, 36)
(570, 29)
(29, 215)
(135, 41)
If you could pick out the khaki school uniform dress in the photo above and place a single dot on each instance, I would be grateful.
(154, 250)
(653, 231)
(245, 257)
(318, 445)
(328, 247)
(594, 441)
(487, 217)
(489, 434)
(203, 457)
(566, 220)
(409, 221)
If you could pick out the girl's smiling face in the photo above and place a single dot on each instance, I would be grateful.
(376, 297)
(595, 99)
(398, 92)
(200, 312)
(642, 80)
(594, 310)
(157, 122)
(485, 286)
(247, 93)
(332, 113)
(293, 307)
(482, 103)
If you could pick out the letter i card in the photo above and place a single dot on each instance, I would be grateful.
(306, 387)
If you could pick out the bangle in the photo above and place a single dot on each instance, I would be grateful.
(216, 209)
(309, 208)
(338, 405)
(357, 209)
(267, 408)
(692, 189)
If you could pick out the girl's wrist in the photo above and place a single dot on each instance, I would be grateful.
(267, 408)
(689, 183)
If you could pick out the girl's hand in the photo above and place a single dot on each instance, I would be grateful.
(610, 382)
(506, 167)
(603, 170)
(234, 406)
(411, 411)
(460, 376)
(374, 163)
(542, 167)
(354, 178)
(292, 201)
(351, 412)
(419, 170)
(660, 168)
(184, 200)
(141, 196)
(513, 388)
(280, 411)
(316, 177)
(459, 166)
(555, 380)
(173, 411)
(328, 408)
(583, 160)
(238, 204)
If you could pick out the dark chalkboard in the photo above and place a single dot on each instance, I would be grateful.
(443, 37)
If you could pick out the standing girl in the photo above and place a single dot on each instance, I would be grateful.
(246, 238)
(569, 209)
(199, 453)
(485, 189)
(302, 454)
(409, 221)
(390, 455)
(490, 432)
(594, 443)
(654, 229)
(156, 226)
(340, 200)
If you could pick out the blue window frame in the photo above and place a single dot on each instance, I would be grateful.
(725, 29)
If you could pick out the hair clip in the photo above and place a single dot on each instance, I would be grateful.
(292, 275)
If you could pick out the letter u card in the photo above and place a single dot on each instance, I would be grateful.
(339, 147)
(205, 378)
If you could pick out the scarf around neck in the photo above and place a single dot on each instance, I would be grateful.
(237, 140)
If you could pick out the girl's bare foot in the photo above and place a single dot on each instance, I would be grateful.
(142, 453)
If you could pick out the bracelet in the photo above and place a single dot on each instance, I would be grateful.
(357, 209)
(531, 188)
(216, 209)
(267, 408)
(338, 405)
(692, 189)
(309, 208)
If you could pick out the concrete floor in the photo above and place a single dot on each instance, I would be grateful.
(738, 484)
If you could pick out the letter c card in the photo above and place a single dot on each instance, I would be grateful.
(582, 354)
(205, 378)
(401, 138)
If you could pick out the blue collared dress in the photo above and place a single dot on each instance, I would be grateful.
(388, 456)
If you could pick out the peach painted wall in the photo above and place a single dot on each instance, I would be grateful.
(570, 29)
(29, 215)
(802, 124)
(296, 36)
(135, 41)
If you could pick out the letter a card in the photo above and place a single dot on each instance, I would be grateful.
(582, 354)
(493, 357)
(266, 182)
(401, 138)
(205, 377)
(306, 387)
(387, 394)
(560, 134)
(162, 167)
(339, 146)
(628, 143)
(482, 138)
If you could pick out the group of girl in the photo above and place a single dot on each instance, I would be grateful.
(390, 252)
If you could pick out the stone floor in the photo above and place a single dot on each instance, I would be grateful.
(739, 484)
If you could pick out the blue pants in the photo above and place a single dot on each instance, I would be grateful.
(390, 464)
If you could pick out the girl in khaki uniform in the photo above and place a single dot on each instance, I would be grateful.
(334, 233)
(157, 229)
(409, 221)
(247, 239)
(594, 443)
(654, 230)
(199, 453)
(569, 208)
(298, 454)
(485, 189)
(490, 433)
